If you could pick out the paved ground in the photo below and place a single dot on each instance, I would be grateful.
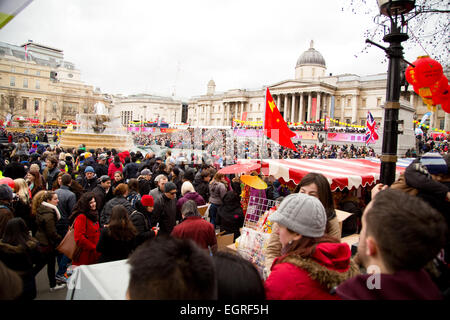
(43, 288)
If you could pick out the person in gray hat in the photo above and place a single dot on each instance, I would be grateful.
(6, 213)
(312, 263)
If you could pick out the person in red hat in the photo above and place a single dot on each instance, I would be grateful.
(142, 219)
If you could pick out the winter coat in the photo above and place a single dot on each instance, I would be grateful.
(102, 197)
(334, 228)
(202, 187)
(87, 234)
(52, 175)
(21, 259)
(217, 191)
(200, 231)
(6, 214)
(230, 216)
(165, 212)
(67, 201)
(100, 169)
(113, 167)
(87, 184)
(23, 210)
(142, 221)
(190, 196)
(402, 285)
(131, 170)
(107, 209)
(112, 249)
(297, 278)
(46, 234)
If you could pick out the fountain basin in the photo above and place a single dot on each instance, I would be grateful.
(119, 142)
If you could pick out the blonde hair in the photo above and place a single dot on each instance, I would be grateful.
(187, 187)
(21, 189)
(41, 196)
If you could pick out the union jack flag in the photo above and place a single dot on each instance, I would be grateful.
(371, 130)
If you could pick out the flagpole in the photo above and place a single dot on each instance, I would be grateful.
(263, 126)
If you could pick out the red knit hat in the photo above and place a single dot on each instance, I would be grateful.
(147, 201)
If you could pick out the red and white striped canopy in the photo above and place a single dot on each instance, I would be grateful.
(340, 173)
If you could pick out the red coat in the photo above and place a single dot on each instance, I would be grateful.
(296, 278)
(112, 169)
(197, 229)
(87, 234)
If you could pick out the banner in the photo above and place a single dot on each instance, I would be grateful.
(244, 116)
(345, 137)
(313, 109)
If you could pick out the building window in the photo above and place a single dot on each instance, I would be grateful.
(55, 105)
(36, 105)
(12, 81)
(25, 71)
(11, 102)
(38, 84)
(349, 102)
(24, 104)
(25, 83)
(364, 102)
(363, 122)
(13, 69)
(347, 121)
(441, 123)
(378, 102)
(38, 73)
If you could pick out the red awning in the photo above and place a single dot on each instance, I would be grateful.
(340, 173)
(240, 168)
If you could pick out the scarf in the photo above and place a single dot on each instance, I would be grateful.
(49, 205)
(92, 215)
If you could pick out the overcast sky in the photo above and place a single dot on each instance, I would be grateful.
(159, 47)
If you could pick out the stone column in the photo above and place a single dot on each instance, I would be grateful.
(354, 109)
(329, 106)
(222, 108)
(208, 118)
(285, 108)
(228, 106)
(318, 107)
(198, 115)
(447, 122)
(300, 115)
(279, 102)
(293, 108)
(342, 109)
(309, 106)
(242, 109)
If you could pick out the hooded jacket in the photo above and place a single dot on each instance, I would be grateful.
(295, 278)
(46, 219)
(402, 285)
(217, 191)
(190, 196)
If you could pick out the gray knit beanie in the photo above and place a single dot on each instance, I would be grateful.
(303, 214)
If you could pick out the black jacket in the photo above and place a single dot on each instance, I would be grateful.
(165, 212)
(202, 188)
(142, 220)
(230, 216)
(101, 170)
(106, 211)
(131, 170)
(15, 170)
(102, 197)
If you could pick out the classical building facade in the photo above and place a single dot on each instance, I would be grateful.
(146, 107)
(312, 94)
(36, 82)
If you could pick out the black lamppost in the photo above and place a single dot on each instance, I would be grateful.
(395, 36)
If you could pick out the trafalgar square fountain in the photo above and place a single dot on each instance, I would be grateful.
(97, 130)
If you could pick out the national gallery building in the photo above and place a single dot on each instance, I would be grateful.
(313, 94)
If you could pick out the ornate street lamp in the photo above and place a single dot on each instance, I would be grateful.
(396, 34)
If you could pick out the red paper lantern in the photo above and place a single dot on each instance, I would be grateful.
(439, 86)
(410, 75)
(427, 71)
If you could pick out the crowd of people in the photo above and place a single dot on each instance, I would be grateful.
(146, 208)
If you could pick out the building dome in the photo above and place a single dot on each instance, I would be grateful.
(211, 83)
(311, 57)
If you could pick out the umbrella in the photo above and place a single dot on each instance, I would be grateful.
(254, 182)
(239, 168)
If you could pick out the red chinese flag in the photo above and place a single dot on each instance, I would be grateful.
(275, 127)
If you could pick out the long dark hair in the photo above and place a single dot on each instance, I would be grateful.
(324, 190)
(120, 226)
(82, 206)
(16, 232)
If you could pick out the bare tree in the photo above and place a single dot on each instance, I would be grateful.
(9, 104)
(428, 26)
